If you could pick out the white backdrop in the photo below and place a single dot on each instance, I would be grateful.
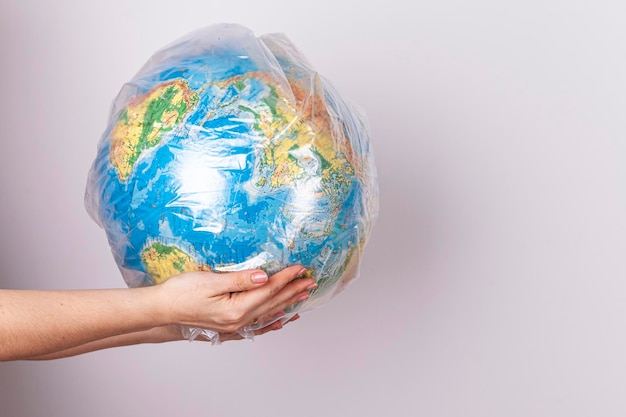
(494, 284)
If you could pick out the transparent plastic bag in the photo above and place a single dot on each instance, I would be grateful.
(228, 152)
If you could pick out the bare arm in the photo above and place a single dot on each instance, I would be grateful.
(156, 335)
(38, 323)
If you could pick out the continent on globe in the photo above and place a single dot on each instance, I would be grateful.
(228, 151)
(142, 124)
(163, 262)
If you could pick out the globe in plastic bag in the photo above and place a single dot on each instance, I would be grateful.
(228, 152)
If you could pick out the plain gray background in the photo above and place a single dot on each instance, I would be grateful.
(495, 280)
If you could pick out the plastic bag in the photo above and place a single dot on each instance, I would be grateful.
(229, 152)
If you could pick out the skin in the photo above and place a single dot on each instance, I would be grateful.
(55, 324)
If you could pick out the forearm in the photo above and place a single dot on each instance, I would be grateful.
(34, 323)
(156, 335)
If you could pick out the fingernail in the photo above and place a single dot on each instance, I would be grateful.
(301, 272)
(303, 297)
(279, 314)
(294, 318)
(259, 277)
(311, 287)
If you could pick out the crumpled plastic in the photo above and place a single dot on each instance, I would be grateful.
(226, 152)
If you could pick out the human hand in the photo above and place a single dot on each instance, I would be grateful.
(172, 333)
(277, 325)
(227, 302)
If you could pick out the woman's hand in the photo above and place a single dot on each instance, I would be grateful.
(227, 302)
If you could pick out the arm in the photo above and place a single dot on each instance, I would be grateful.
(37, 323)
(156, 335)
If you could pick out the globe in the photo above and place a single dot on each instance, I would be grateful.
(228, 151)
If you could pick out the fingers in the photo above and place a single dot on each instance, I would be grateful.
(277, 325)
(226, 302)
(281, 291)
(238, 281)
(278, 282)
(269, 328)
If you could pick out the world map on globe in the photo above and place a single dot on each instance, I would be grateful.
(228, 152)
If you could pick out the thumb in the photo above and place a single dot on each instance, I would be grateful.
(240, 280)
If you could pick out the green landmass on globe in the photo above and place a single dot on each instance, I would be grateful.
(227, 151)
(142, 124)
